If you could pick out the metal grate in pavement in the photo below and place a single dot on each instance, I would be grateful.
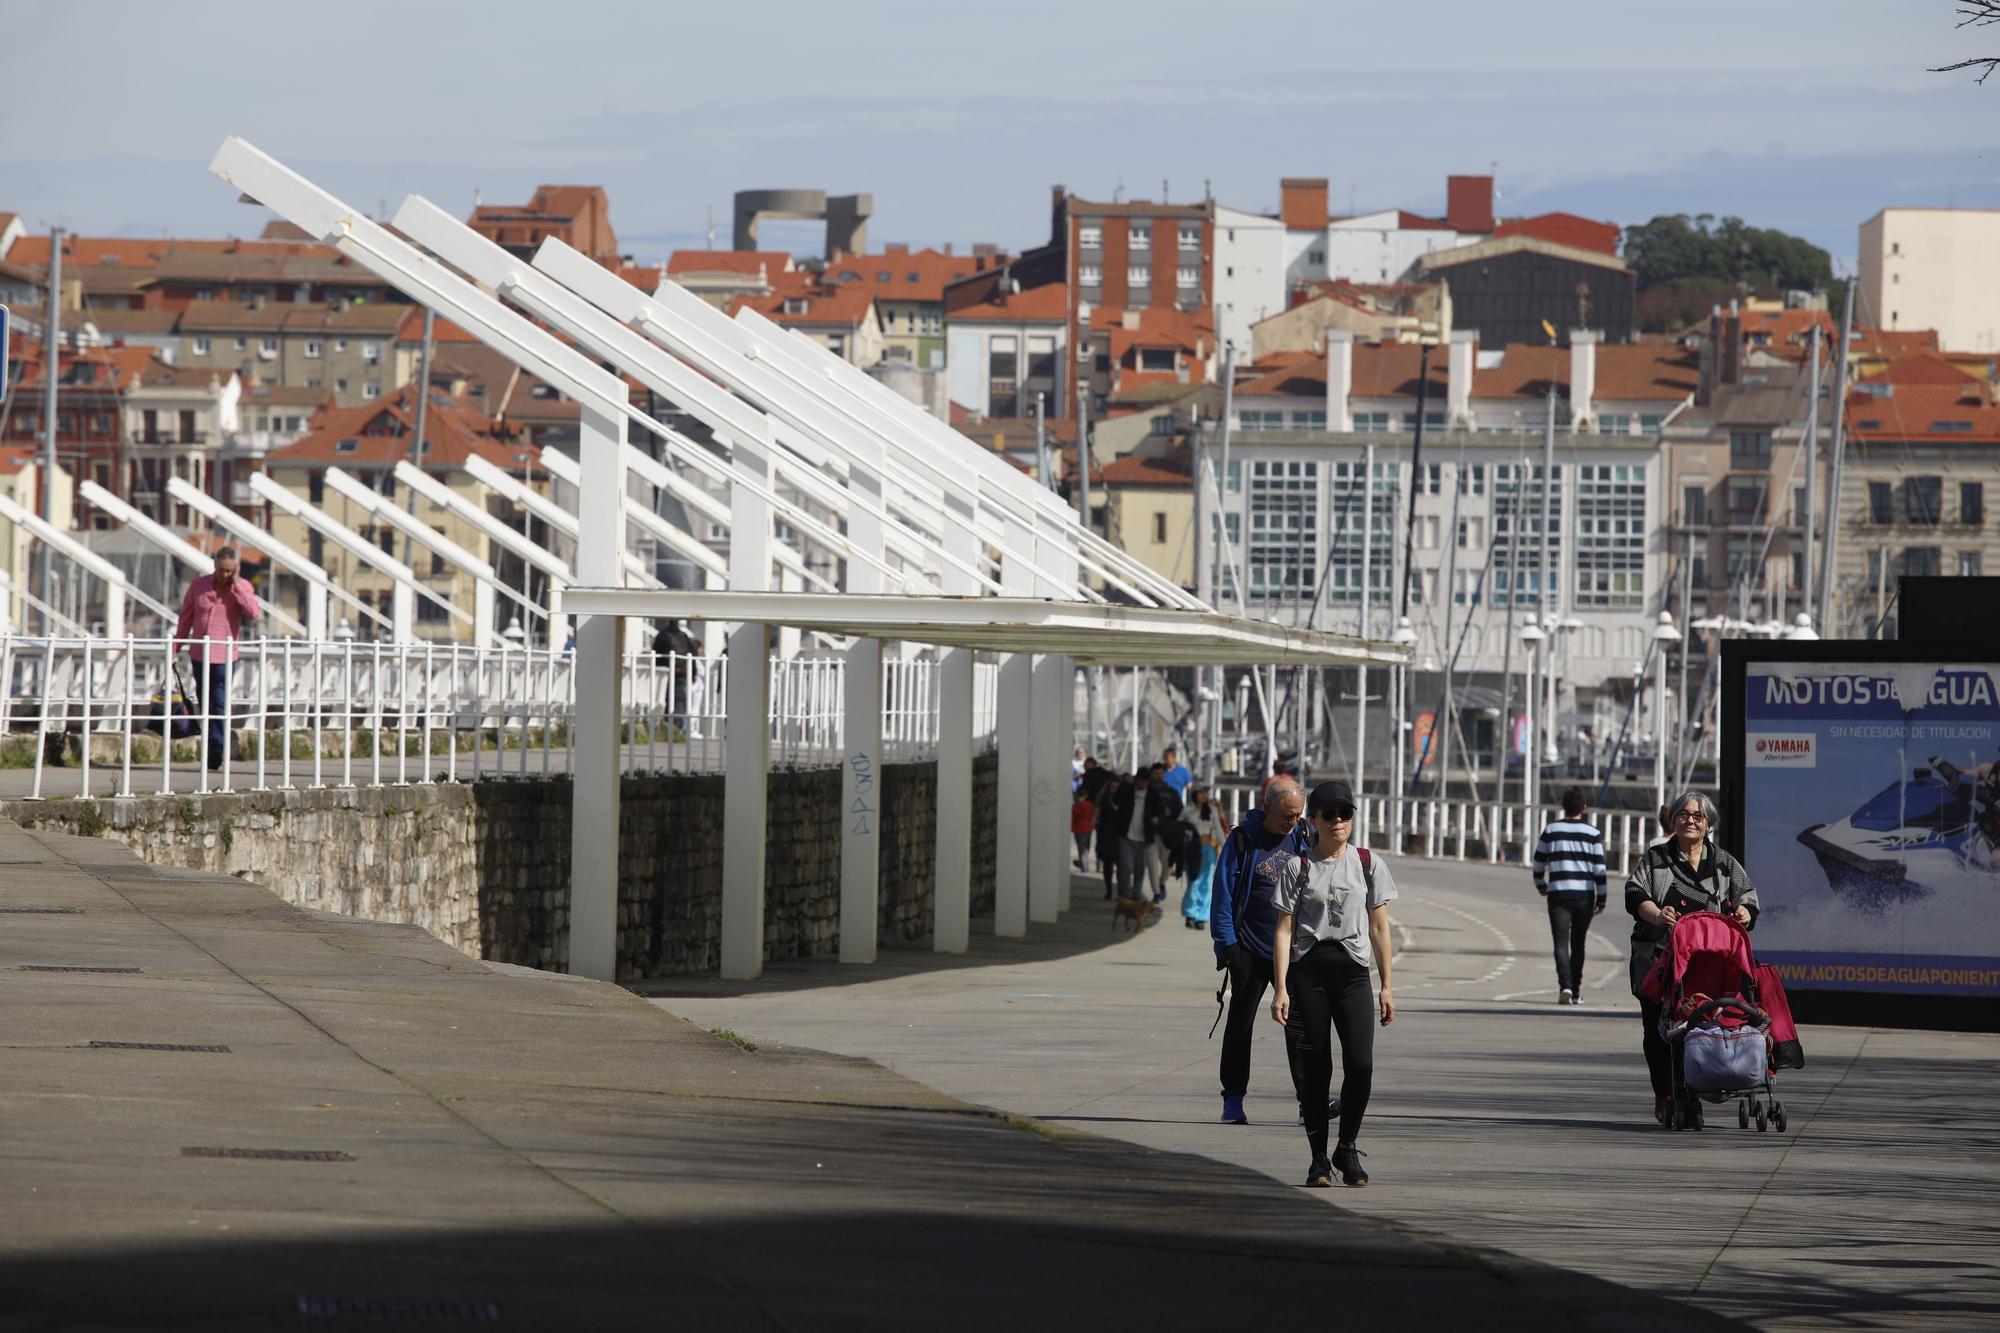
(156, 1046)
(395, 1307)
(71, 967)
(270, 1154)
(41, 911)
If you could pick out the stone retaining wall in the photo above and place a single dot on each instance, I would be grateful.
(485, 866)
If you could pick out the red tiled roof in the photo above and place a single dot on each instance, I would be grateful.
(15, 457)
(845, 305)
(1389, 370)
(1579, 233)
(410, 329)
(646, 277)
(1408, 221)
(915, 275)
(1049, 302)
(380, 433)
(747, 262)
(1132, 470)
(1917, 411)
(1923, 368)
(1292, 373)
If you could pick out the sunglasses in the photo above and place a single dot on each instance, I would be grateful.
(1338, 815)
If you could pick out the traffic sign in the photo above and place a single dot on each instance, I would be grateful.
(6, 326)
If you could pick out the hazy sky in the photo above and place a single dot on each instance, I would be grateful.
(1807, 115)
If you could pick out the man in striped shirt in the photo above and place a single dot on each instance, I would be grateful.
(1569, 872)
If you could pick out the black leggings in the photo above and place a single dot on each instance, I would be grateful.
(1331, 996)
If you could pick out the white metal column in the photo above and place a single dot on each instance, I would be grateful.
(747, 745)
(951, 899)
(861, 764)
(593, 890)
(1014, 808)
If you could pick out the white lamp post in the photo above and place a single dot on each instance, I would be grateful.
(1405, 637)
(1802, 629)
(1532, 638)
(1665, 636)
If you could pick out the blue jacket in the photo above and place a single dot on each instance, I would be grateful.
(1233, 887)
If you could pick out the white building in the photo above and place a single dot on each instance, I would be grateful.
(1933, 268)
(1251, 283)
(1003, 351)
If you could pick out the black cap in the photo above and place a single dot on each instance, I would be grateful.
(1328, 795)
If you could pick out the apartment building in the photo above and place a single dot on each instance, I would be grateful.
(908, 287)
(841, 317)
(1933, 268)
(577, 215)
(344, 349)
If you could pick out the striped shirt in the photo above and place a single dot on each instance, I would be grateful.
(1569, 858)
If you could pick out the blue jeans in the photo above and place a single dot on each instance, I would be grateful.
(211, 689)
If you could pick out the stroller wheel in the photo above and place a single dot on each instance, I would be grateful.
(1778, 1119)
(1762, 1122)
(1743, 1115)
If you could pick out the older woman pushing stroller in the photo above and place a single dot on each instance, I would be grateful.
(1686, 873)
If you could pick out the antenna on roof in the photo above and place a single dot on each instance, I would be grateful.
(1163, 190)
(711, 226)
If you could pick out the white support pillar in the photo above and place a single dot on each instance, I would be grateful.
(747, 746)
(593, 902)
(1012, 859)
(1050, 745)
(861, 732)
(951, 931)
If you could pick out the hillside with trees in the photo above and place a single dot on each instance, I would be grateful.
(1685, 265)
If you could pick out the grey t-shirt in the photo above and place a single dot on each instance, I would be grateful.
(1329, 901)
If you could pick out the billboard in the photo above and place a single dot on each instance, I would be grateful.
(1866, 807)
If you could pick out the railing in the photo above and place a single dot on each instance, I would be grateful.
(1468, 830)
(120, 717)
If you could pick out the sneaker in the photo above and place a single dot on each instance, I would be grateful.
(1565, 997)
(1319, 1175)
(1232, 1111)
(1347, 1160)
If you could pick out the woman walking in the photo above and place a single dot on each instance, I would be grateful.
(1208, 827)
(1686, 873)
(1333, 922)
(1108, 832)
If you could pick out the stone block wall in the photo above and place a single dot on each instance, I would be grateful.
(485, 866)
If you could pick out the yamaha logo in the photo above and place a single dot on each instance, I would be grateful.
(1789, 750)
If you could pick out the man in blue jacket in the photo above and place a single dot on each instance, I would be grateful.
(1243, 921)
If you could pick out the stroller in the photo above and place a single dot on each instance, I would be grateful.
(1725, 1021)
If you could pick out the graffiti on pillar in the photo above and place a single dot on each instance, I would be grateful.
(861, 810)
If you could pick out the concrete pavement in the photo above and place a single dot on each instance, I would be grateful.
(1498, 1119)
(224, 1112)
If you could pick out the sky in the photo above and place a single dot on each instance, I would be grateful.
(1805, 115)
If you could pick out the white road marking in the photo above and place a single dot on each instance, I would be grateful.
(1506, 942)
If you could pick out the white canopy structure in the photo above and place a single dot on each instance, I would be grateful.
(118, 590)
(171, 542)
(936, 540)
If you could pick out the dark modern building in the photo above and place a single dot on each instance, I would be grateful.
(1508, 287)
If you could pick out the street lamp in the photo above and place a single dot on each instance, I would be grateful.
(1403, 637)
(1665, 636)
(1532, 638)
(1802, 629)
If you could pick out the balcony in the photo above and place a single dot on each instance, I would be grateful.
(168, 437)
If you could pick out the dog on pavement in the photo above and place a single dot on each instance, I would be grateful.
(1135, 910)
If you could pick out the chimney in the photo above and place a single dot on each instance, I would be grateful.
(1582, 379)
(1339, 380)
(896, 248)
(1468, 204)
(1458, 378)
(1302, 204)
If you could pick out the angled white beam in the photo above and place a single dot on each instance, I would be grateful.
(116, 586)
(402, 614)
(484, 583)
(172, 543)
(564, 468)
(320, 586)
(553, 567)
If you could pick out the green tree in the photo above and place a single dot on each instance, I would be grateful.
(1699, 254)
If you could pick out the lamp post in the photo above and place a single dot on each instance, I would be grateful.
(1532, 638)
(1403, 637)
(1802, 630)
(1665, 636)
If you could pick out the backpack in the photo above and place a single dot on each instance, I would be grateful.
(1367, 867)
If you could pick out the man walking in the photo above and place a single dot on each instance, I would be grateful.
(1243, 920)
(1569, 872)
(676, 648)
(1176, 772)
(213, 614)
(1134, 801)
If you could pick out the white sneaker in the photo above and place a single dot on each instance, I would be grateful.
(1565, 998)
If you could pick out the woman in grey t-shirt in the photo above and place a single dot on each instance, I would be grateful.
(1333, 921)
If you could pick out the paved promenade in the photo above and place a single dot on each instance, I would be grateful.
(223, 1112)
(1498, 1119)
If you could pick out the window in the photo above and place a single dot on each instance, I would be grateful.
(1972, 502)
(1968, 564)
(1142, 237)
(1433, 421)
(1371, 421)
(1746, 562)
(1881, 503)
(1190, 236)
(1252, 420)
(1309, 420)
(1799, 503)
(837, 343)
(1042, 359)
(1188, 277)
(1284, 528)
(201, 346)
(1234, 481)
(1694, 505)
(371, 390)
(242, 344)
(1163, 424)
(1874, 567)
(1517, 518)
(268, 347)
(1159, 528)
(371, 351)
(1951, 427)
(346, 446)
(312, 349)
(1700, 579)
(1472, 479)
(1156, 358)
(430, 613)
(1316, 256)
(1003, 375)
(1610, 535)
(1089, 275)
(339, 345)
(1428, 528)
(1465, 587)
(1089, 236)
(1651, 423)
(1431, 482)
(340, 386)
(1923, 500)
(1745, 497)
(1139, 275)
(1750, 450)
(1922, 561)
(1614, 423)
(1472, 533)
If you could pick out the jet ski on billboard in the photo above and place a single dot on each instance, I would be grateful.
(1927, 834)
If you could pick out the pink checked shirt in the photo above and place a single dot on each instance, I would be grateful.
(208, 614)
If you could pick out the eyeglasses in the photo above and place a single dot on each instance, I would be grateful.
(1691, 816)
(1339, 815)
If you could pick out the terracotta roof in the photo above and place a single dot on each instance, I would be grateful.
(378, 434)
(1288, 373)
(844, 306)
(1893, 342)
(1507, 245)
(15, 457)
(646, 277)
(125, 323)
(1579, 233)
(1786, 327)
(1966, 413)
(1132, 470)
(1625, 372)
(410, 329)
(914, 275)
(1408, 221)
(363, 319)
(1389, 370)
(747, 262)
(1049, 302)
(1923, 368)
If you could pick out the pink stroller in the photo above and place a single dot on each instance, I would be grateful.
(1725, 1021)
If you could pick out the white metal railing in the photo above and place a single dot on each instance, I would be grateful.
(125, 716)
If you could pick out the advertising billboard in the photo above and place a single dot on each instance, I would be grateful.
(1865, 804)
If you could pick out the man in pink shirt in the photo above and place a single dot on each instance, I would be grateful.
(213, 613)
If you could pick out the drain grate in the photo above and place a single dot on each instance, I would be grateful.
(156, 1046)
(270, 1154)
(396, 1307)
(41, 911)
(71, 967)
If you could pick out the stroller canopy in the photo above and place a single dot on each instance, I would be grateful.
(1707, 954)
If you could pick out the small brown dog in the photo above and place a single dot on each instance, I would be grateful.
(1135, 910)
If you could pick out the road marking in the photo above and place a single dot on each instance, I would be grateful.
(1506, 942)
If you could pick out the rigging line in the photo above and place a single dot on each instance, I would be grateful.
(1451, 666)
